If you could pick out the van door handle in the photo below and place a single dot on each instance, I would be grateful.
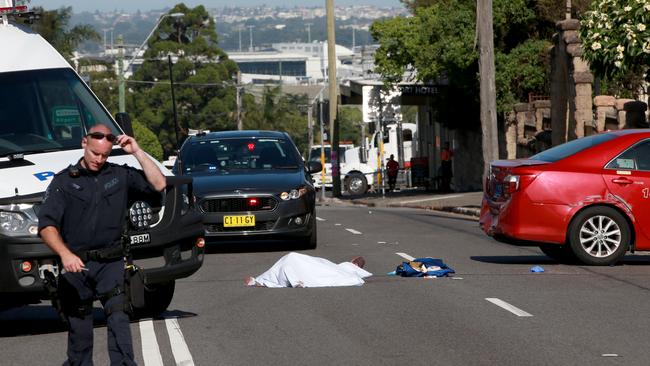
(622, 181)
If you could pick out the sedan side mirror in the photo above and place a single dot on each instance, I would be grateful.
(314, 167)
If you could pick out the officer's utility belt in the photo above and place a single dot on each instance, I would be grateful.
(104, 254)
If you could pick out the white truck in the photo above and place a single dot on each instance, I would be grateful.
(45, 109)
(324, 178)
(359, 165)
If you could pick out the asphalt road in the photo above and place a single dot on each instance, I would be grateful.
(492, 311)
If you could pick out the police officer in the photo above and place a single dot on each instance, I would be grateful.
(83, 212)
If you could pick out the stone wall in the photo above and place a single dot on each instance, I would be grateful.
(571, 111)
(528, 126)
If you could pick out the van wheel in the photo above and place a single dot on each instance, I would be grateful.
(156, 299)
(599, 236)
(356, 184)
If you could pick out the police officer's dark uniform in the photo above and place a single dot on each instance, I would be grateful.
(88, 209)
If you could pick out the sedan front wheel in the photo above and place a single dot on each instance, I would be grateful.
(599, 236)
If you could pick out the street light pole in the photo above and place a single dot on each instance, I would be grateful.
(171, 83)
(122, 68)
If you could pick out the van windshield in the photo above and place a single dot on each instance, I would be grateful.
(46, 110)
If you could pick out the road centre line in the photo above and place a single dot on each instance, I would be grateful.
(354, 231)
(511, 308)
(180, 350)
(405, 256)
(150, 349)
(432, 199)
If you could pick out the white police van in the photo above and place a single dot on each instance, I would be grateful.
(45, 109)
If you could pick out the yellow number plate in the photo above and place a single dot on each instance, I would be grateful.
(240, 220)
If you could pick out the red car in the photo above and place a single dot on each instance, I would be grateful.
(588, 198)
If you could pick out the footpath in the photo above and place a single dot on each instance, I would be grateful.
(463, 203)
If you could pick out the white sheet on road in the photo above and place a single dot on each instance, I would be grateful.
(300, 270)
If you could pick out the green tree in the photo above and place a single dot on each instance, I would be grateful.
(350, 123)
(439, 42)
(616, 41)
(53, 25)
(147, 140)
(202, 73)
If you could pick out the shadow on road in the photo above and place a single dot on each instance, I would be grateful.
(636, 259)
(43, 319)
(215, 247)
(632, 259)
(515, 259)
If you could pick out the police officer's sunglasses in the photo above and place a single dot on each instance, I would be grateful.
(100, 135)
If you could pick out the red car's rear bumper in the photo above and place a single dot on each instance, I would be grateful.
(521, 219)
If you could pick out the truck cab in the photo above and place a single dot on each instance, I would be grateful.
(359, 164)
(45, 109)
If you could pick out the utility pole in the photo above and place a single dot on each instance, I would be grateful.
(322, 145)
(240, 125)
(333, 96)
(487, 84)
(120, 77)
(171, 83)
(310, 126)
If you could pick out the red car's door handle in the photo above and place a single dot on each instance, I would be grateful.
(622, 181)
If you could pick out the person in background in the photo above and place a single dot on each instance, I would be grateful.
(445, 168)
(392, 168)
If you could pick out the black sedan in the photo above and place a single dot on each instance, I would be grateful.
(251, 184)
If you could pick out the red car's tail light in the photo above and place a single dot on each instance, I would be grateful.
(510, 184)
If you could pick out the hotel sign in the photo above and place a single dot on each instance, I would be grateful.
(418, 89)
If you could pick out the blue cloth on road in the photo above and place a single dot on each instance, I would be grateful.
(424, 267)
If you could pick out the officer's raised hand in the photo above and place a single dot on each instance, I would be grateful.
(128, 144)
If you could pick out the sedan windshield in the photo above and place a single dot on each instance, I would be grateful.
(223, 155)
(572, 147)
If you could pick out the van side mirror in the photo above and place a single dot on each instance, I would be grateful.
(124, 121)
(314, 167)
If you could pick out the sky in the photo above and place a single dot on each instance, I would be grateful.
(132, 6)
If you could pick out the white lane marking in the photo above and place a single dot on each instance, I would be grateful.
(337, 224)
(610, 355)
(179, 348)
(433, 199)
(381, 242)
(511, 308)
(320, 218)
(150, 349)
(354, 231)
(405, 256)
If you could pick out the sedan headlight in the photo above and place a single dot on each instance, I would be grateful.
(18, 220)
(293, 194)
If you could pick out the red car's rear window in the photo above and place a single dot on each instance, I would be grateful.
(567, 149)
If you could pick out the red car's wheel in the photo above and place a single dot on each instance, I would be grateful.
(599, 236)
